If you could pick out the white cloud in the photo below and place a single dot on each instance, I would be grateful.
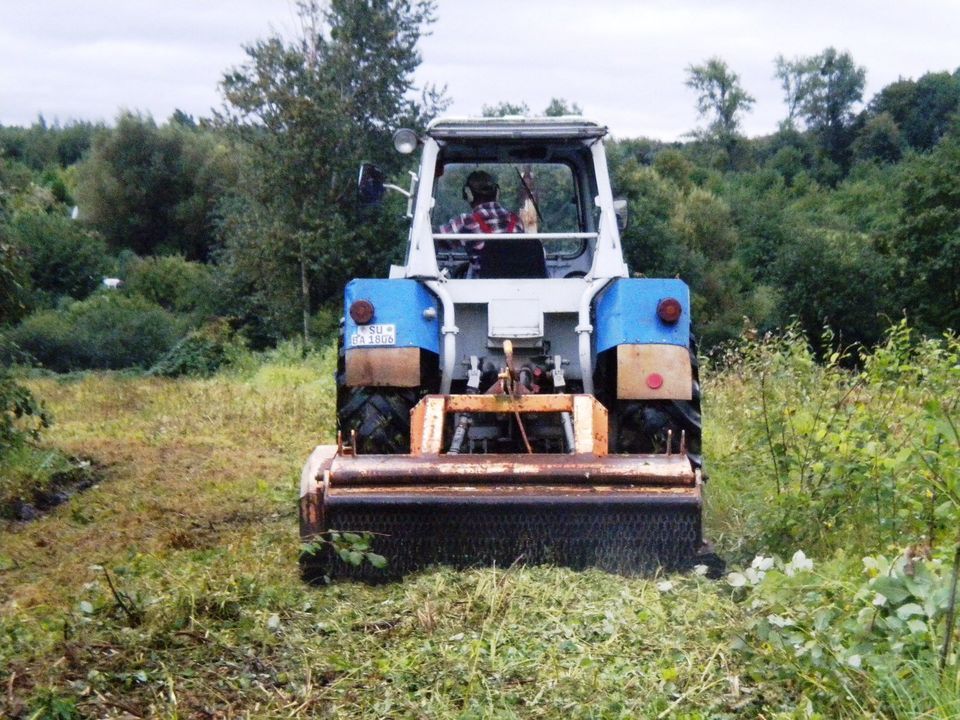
(623, 62)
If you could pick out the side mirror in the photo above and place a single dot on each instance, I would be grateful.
(371, 186)
(620, 210)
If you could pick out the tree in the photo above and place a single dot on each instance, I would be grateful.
(794, 76)
(559, 107)
(923, 109)
(927, 237)
(720, 97)
(63, 258)
(153, 189)
(879, 140)
(12, 278)
(308, 111)
(830, 85)
(837, 279)
(504, 108)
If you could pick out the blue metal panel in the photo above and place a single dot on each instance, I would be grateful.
(396, 302)
(627, 313)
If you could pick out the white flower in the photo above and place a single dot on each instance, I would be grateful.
(665, 586)
(854, 661)
(754, 576)
(700, 569)
(762, 563)
(798, 563)
(879, 600)
(736, 580)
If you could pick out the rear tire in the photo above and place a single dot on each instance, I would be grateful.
(380, 417)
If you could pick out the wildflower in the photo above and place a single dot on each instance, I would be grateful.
(798, 563)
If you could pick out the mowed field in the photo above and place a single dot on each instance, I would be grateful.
(170, 589)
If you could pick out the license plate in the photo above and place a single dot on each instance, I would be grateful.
(370, 335)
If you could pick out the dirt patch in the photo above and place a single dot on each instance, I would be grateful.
(81, 473)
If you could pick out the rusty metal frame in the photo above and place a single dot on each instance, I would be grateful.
(589, 418)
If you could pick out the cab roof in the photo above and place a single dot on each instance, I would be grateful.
(515, 127)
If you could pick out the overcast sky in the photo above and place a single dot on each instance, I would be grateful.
(623, 62)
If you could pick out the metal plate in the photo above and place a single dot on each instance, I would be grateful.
(376, 335)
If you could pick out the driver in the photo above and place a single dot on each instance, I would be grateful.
(488, 215)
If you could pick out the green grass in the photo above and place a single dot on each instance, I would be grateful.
(171, 589)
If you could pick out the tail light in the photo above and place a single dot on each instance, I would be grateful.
(669, 310)
(361, 311)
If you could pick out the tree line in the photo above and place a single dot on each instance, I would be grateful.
(845, 218)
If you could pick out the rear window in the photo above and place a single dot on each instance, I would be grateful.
(552, 185)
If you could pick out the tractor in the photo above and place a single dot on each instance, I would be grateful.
(510, 393)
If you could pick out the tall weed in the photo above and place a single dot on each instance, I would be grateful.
(827, 457)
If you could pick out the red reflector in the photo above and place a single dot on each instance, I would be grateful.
(361, 311)
(654, 381)
(669, 310)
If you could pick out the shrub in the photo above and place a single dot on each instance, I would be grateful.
(202, 352)
(62, 258)
(856, 459)
(21, 414)
(173, 283)
(106, 331)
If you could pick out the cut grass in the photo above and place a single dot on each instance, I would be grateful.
(171, 589)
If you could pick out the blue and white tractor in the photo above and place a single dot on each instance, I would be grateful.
(510, 393)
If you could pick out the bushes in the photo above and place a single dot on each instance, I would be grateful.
(202, 352)
(173, 283)
(857, 460)
(106, 331)
(21, 415)
(63, 259)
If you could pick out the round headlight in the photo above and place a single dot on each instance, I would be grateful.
(405, 141)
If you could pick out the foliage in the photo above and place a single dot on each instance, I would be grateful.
(309, 111)
(867, 637)
(824, 89)
(353, 548)
(174, 283)
(504, 108)
(13, 277)
(201, 352)
(923, 109)
(63, 259)
(153, 189)
(22, 417)
(560, 106)
(42, 146)
(879, 140)
(108, 330)
(859, 459)
(927, 237)
(720, 97)
(839, 280)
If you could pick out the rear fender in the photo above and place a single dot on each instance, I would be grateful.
(652, 357)
(406, 323)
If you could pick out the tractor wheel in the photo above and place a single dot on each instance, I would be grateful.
(643, 426)
(380, 416)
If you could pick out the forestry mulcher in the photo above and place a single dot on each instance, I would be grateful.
(510, 393)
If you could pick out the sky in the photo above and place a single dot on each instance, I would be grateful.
(624, 62)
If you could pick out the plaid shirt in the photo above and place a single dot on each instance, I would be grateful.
(493, 215)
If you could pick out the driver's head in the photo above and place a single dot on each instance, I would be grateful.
(480, 187)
